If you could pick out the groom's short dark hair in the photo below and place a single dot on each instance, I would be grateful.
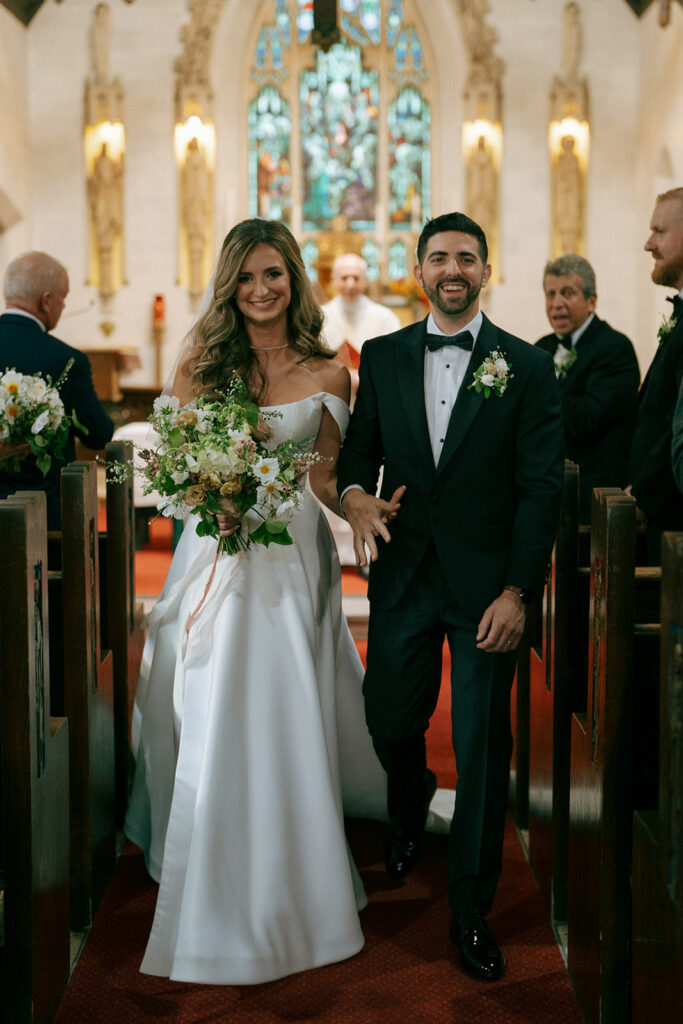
(452, 222)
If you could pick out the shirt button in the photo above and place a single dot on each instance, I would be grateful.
(443, 401)
(440, 440)
(448, 366)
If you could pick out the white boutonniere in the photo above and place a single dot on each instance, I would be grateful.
(564, 359)
(492, 376)
(666, 328)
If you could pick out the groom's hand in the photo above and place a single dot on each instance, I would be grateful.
(502, 624)
(368, 517)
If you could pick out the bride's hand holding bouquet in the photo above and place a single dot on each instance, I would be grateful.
(215, 458)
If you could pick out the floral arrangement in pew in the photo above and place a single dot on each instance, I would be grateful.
(33, 419)
(215, 455)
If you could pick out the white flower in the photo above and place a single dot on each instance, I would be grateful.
(564, 359)
(11, 381)
(164, 402)
(4, 431)
(492, 376)
(179, 476)
(173, 508)
(289, 508)
(238, 436)
(269, 495)
(40, 422)
(191, 462)
(204, 420)
(266, 470)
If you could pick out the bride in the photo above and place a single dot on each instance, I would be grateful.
(249, 731)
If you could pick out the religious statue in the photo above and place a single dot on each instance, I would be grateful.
(105, 193)
(195, 212)
(481, 186)
(568, 188)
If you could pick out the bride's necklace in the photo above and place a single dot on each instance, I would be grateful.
(268, 348)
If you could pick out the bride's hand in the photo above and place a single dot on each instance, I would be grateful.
(227, 524)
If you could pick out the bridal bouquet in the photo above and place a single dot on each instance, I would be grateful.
(33, 419)
(214, 457)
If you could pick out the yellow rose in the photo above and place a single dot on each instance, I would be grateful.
(195, 495)
(211, 481)
(187, 418)
(231, 487)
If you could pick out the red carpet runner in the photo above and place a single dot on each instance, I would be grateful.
(406, 974)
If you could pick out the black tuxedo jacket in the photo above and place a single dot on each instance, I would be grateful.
(599, 395)
(650, 471)
(491, 505)
(26, 348)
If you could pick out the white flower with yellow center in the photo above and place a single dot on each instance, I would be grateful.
(266, 470)
(269, 495)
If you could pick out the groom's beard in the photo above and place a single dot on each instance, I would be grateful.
(448, 303)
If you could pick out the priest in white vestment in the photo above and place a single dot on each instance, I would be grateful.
(350, 319)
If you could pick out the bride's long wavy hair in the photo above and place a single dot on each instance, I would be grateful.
(220, 339)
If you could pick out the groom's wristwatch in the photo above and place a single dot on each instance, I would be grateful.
(525, 596)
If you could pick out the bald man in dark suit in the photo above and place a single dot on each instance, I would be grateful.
(35, 288)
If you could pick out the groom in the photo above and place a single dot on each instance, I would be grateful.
(473, 462)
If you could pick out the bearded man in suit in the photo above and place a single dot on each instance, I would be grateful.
(466, 421)
(651, 478)
(597, 370)
(35, 288)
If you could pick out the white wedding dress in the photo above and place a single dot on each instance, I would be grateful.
(251, 744)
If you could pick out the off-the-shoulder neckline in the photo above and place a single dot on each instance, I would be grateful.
(298, 401)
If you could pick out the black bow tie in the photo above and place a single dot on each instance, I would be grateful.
(463, 340)
(565, 339)
(677, 302)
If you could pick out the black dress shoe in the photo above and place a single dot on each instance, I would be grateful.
(404, 840)
(479, 953)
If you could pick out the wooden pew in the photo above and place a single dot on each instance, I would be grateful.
(34, 780)
(557, 674)
(124, 617)
(83, 691)
(657, 877)
(605, 761)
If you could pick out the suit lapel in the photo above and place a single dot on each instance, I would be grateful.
(468, 403)
(410, 370)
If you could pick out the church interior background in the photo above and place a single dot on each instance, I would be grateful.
(135, 133)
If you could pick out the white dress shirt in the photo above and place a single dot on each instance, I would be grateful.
(22, 312)
(575, 335)
(444, 372)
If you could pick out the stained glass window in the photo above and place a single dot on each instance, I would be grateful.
(270, 176)
(309, 253)
(338, 106)
(304, 19)
(409, 163)
(341, 138)
(361, 20)
(370, 253)
(398, 261)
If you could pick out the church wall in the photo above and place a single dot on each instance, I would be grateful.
(145, 40)
(632, 67)
(531, 39)
(659, 154)
(15, 194)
